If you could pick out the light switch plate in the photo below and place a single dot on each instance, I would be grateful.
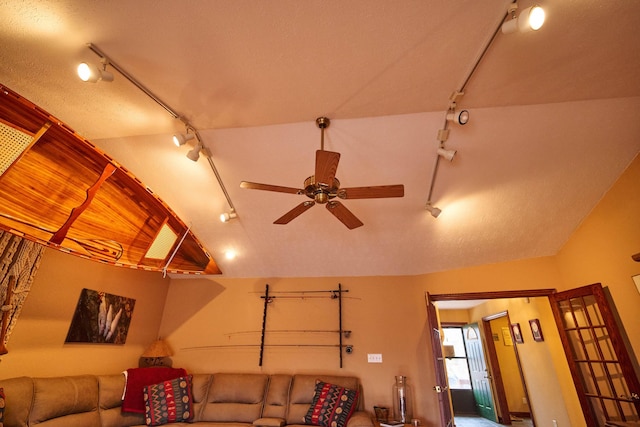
(374, 358)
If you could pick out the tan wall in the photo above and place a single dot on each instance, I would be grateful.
(386, 314)
(36, 346)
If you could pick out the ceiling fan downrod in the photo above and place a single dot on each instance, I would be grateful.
(322, 123)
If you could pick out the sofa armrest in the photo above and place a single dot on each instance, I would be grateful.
(269, 422)
(360, 419)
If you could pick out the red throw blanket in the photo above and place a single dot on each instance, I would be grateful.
(137, 378)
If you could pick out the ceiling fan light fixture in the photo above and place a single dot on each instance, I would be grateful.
(461, 117)
(530, 19)
(92, 74)
(179, 139)
(228, 216)
(446, 154)
(434, 211)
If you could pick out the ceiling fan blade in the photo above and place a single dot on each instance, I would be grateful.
(267, 187)
(326, 166)
(341, 212)
(294, 213)
(379, 191)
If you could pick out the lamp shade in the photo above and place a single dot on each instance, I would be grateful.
(158, 348)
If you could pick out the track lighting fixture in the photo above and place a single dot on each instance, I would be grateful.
(447, 154)
(228, 216)
(461, 117)
(92, 74)
(434, 211)
(530, 19)
(179, 139)
(86, 73)
(194, 153)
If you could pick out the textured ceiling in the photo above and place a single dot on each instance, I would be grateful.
(553, 118)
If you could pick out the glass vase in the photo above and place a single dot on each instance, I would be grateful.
(402, 400)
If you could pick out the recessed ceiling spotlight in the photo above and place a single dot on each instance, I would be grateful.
(434, 211)
(230, 254)
(194, 153)
(92, 74)
(228, 216)
(179, 139)
(447, 154)
(530, 19)
(461, 117)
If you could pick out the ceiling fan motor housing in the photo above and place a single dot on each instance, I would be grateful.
(319, 191)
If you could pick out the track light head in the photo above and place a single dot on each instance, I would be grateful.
(434, 211)
(530, 19)
(228, 216)
(179, 139)
(461, 117)
(194, 153)
(92, 74)
(447, 154)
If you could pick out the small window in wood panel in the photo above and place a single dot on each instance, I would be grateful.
(14, 142)
(162, 244)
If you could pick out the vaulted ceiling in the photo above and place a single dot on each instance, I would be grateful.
(553, 123)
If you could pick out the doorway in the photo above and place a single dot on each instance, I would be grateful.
(498, 409)
(467, 353)
(601, 348)
(513, 400)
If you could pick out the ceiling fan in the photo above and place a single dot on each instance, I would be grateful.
(323, 186)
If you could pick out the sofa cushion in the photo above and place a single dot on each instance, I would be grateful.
(18, 397)
(65, 401)
(275, 404)
(111, 388)
(331, 406)
(168, 401)
(235, 398)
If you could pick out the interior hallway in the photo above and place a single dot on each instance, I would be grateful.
(474, 421)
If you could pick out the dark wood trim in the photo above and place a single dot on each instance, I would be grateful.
(525, 293)
(521, 414)
(452, 324)
(442, 385)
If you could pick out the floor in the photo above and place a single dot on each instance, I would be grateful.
(471, 421)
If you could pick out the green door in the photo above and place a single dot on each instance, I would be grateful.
(480, 379)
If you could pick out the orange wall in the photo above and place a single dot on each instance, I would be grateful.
(546, 372)
(36, 346)
(386, 314)
(600, 250)
(509, 366)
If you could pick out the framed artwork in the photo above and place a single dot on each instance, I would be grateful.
(517, 333)
(506, 337)
(536, 330)
(100, 318)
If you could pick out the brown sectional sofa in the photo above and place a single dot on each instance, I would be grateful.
(221, 400)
